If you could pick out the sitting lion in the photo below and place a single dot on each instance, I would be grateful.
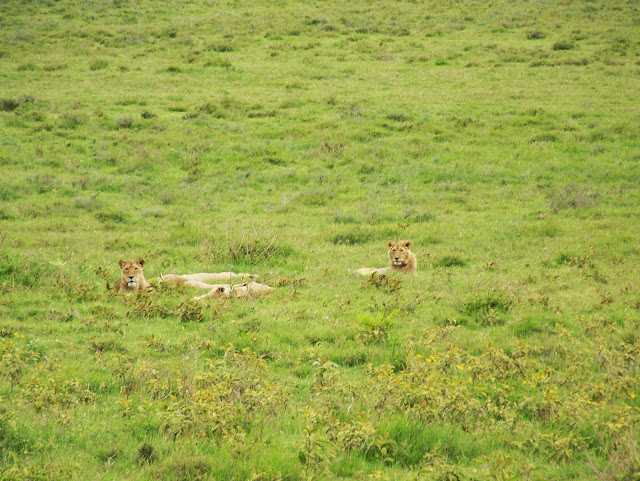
(225, 291)
(132, 277)
(401, 259)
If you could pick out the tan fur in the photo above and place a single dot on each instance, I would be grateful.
(369, 271)
(401, 259)
(200, 279)
(225, 291)
(131, 277)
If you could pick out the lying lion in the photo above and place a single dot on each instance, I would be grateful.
(131, 277)
(225, 291)
(401, 259)
(199, 280)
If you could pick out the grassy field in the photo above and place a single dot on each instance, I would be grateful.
(293, 140)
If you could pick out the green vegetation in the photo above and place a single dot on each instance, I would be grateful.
(293, 140)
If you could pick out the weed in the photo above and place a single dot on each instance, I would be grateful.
(571, 197)
(27, 67)
(345, 219)
(527, 176)
(98, 65)
(124, 122)
(623, 460)
(398, 117)
(220, 47)
(488, 307)
(11, 440)
(224, 397)
(188, 468)
(374, 328)
(450, 261)
(14, 362)
(563, 45)
(190, 311)
(141, 306)
(351, 237)
(535, 35)
(254, 245)
(8, 105)
(384, 282)
(145, 454)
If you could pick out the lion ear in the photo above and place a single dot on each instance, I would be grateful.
(141, 262)
(390, 243)
(121, 263)
(406, 243)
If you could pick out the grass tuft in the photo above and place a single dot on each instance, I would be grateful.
(450, 261)
(563, 45)
(98, 65)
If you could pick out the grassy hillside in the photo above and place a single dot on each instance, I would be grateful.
(292, 140)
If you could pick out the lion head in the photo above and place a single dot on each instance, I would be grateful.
(132, 275)
(399, 253)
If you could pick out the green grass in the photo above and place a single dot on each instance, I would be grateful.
(293, 140)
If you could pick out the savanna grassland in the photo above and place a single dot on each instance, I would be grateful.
(292, 140)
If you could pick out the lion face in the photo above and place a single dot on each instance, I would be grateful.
(132, 273)
(399, 253)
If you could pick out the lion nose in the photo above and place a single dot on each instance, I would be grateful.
(131, 277)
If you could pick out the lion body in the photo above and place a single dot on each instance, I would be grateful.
(201, 279)
(401, 259)
(131, 277)
(369, 271)
(225, 291)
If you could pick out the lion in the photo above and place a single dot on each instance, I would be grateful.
(401, 259)
(225, 291)
(131, 277)
(201, 279)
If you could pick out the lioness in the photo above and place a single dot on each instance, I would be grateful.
(132, 277)
(401, 259)
(225, 291)
(199, 280)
